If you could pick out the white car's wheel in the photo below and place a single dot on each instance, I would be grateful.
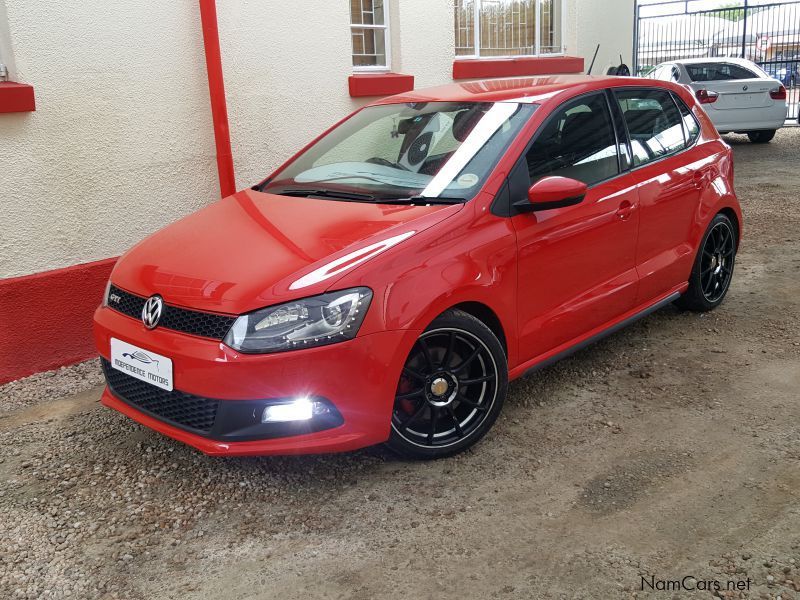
(761, 137)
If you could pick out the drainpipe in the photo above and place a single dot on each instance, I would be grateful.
(216, 88)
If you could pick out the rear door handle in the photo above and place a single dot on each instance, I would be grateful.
(700, 179)
(625, 210)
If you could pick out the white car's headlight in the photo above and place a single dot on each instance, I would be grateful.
(315, 321)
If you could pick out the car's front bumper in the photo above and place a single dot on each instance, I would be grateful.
(358, 377)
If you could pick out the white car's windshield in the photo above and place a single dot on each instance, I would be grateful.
(403, 152)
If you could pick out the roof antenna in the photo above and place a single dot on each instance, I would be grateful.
(591, 66)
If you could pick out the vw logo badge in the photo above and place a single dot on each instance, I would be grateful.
(151, 312)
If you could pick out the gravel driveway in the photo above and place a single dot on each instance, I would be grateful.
(671, 449)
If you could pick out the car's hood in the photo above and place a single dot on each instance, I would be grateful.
(252, 250)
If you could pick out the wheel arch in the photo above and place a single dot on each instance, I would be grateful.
(487, 316)
(496, 317)
(731, 214)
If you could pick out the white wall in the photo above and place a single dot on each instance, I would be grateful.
(605, 22)
(427, 41)
(286, 70)
(122, 143)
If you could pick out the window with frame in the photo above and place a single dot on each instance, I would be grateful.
(496, 28)
(579, 142)
(655, 126)
(369, 29)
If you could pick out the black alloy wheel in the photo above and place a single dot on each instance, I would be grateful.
(716, 262)
(713, 269)
(451, 389)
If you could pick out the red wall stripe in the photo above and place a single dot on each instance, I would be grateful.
(46, 318)
(479, 68)
(379, 84)
(16, 97)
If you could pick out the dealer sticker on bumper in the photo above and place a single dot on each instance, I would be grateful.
(142, 364)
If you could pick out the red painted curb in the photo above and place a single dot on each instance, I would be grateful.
(478, 68)
(46, 318)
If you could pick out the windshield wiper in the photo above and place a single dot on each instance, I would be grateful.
(425, 200)
(353, 196)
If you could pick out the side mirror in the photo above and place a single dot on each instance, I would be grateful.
(553, 192)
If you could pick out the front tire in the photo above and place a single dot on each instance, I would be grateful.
(451, 390)
(713, 267)
(761, 137)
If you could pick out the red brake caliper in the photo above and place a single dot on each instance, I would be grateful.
(404, 387)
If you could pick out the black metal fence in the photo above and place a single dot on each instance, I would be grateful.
(767, 34)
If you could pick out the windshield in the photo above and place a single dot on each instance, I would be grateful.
(433, 150)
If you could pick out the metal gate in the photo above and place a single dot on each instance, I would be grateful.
(767, 34)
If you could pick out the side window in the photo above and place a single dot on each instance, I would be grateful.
(654, 124)
(676, 74)
(689, 121)
(578, 142)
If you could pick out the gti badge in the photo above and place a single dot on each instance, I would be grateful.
(151, 312)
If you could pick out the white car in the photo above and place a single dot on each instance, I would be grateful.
(737, 94)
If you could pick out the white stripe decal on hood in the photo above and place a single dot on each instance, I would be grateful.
(348, 261)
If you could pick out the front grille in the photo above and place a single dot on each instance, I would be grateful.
(202, 324)
(127, 304)
(177, 408)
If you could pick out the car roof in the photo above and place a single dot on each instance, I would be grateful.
(518, 89)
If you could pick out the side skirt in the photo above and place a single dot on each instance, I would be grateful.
(598, 336)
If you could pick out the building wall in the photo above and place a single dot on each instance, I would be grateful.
(605, 22)
(122, 144)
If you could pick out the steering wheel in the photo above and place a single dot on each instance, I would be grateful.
(376, 160)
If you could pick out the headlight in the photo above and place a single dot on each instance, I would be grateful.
(316, 321)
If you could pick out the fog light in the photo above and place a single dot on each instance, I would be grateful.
(301, 409)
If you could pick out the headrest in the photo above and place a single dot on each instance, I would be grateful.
(465, 122)
(642, 122)
(577, 128)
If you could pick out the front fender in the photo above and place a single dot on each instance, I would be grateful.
(468, 258)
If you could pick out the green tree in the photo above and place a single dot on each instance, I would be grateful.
(732, 11)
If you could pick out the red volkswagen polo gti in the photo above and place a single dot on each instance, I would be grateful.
(387, 282)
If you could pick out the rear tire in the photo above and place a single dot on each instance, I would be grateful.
(761, 137)
(713, 267)
(452, 388)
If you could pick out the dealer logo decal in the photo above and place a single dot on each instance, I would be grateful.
(141, 357)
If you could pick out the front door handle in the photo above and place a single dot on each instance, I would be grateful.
(625, 211)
